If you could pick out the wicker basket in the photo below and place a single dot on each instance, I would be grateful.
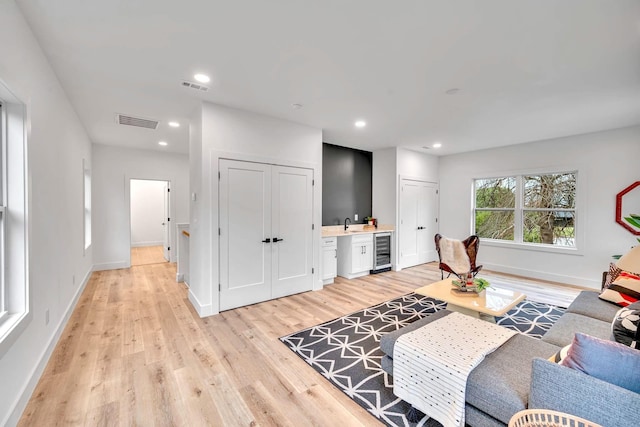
(547, 418)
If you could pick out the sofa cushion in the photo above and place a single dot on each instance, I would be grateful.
(566, 327)
(499, 385)
(388, 341)
(588, 304)
(625, 326)
(624, 290)
(606, 360)
(558, 388)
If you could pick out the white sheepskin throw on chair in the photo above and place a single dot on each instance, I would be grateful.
(453, 253)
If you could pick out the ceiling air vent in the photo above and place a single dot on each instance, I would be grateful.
(196, 86)
(123, 119)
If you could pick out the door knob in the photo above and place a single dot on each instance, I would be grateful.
(276, 240)
(267, 240)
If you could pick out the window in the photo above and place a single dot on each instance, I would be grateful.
(537, 209)
(14, 290)
(87, 205)
(3, 191)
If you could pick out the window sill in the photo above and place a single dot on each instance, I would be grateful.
(533, 247)
(11, 326)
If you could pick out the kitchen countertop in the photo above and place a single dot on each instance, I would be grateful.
(338, 230)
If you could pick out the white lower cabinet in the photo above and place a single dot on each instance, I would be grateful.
(355, 255)
(329, 259)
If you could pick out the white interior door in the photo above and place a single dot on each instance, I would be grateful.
(427, 223)
(409, 196)
(245, 226)
(292, 210)
(418, 216)
(166, 223)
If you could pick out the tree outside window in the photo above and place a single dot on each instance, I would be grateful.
(537, 209)
(495, 208)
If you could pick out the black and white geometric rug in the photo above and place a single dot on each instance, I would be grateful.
(346, 350)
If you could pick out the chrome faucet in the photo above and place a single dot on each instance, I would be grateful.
(346, 225)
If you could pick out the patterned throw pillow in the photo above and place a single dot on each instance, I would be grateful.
(625, 326)
(612, 275)
(614, 272)
(624, 290)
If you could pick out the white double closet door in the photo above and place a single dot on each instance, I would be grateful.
(418, 222)
(266, 237)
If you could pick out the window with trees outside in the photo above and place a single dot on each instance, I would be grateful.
(537, 209)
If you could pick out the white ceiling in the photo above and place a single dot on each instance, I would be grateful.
(527, 70)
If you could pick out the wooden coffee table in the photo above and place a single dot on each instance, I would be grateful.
(487, 305)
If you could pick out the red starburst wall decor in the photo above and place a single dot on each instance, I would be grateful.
(619, 218)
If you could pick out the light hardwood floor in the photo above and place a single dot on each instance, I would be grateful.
(136, 353)
(147, 255)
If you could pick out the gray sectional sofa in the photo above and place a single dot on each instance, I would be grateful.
(518, 375)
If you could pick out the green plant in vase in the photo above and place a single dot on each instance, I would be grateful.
(481, 284)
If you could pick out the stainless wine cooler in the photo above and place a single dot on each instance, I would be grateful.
(381, 252)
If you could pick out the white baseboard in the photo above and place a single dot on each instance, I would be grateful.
(543, 275)
(110, 266)
(180, 277)
(144, 244)
(30, 386)
(202, 309)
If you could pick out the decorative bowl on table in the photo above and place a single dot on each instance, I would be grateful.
(464, 286)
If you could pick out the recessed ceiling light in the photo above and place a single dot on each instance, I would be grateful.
(437, 144)
(202, 78)
(163, 143)
(174, 124)
(452, 91)
(296, 106)
(360, 124)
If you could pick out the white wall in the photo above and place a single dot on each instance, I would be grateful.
(421, 166)
(232, 133)
(58, 264)
(607, 162)
(390, 166)
(384, 185)
(147, 212)
(113, 168)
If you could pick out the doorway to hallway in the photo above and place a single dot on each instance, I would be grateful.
(150, 221)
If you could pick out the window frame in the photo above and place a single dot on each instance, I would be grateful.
(86, 212)
(15, 230)
(3, 192)
(520, 209)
